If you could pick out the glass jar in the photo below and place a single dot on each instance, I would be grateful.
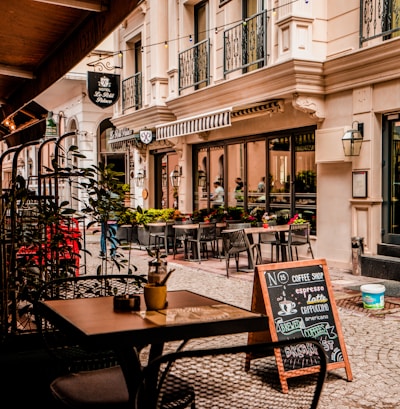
(157, 271)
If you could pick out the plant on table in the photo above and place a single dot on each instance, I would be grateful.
(296, 219)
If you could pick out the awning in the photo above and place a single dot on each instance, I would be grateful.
(195, 124)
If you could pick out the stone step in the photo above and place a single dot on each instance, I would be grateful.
(391, 250)
(381, 266)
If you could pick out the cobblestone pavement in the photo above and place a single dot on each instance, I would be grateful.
(372, 340)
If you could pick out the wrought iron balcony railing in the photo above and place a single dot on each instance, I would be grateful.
(379, 18)
(245, 45)
(194, 66)
(132, 92)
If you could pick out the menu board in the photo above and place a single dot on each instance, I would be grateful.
(298, 300)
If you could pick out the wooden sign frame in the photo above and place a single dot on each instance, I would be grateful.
(304, 306)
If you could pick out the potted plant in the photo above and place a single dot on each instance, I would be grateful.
(151, 215)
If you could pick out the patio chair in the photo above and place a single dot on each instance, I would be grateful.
(270, 239)
(220, 379)
(107, 389)
(181, 236)
(205, 236)
(160, 236)
(236, 242)
(298, 235)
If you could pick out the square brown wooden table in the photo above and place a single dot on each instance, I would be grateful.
(93, 321)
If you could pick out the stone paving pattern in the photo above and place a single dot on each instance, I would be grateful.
(372, 340)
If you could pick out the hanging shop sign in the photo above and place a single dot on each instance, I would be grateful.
(103, 88)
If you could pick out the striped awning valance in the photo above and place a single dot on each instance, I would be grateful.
(196, 124)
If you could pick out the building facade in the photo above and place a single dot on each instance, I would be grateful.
(265, 90)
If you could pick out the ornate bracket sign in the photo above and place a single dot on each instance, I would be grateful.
(103, 89)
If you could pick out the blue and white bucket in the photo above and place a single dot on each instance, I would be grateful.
(373, 296)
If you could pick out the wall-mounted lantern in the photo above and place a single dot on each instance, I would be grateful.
(175, 177)
(202, 178)
(353, 139)
(140, 177)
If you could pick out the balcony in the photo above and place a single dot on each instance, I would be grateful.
(194, 66)
(132, 92)
(245, 45)
(245, 48)
(379, 19)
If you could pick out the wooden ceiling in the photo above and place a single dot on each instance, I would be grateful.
(40, 41)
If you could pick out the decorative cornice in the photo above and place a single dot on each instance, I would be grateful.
(311, 105)
(269, 107)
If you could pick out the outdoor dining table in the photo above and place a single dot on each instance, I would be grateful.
(93, 321)
(279, 230)
(194, 227)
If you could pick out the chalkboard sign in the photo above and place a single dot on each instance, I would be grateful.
(298, 299)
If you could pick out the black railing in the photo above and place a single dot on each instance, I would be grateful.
(379, 18)
(132, 92)
(194, 66)
(245, 45)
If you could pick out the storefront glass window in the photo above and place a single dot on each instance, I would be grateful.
(278, 172)
(305, 182)
(394, 218)
(235, 196)
(256, 180)
(201, 181)
(280, 176)
(216, 167)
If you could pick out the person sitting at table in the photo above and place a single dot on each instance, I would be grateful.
(261, 185)
(239, 190)
(239, 185)
(218, 196)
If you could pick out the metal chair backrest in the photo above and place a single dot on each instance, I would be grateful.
(299, 234)
(225, 377)
(235, 226)
(69, 356)
(207, 231)
(235, 241)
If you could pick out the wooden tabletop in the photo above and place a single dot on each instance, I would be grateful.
(270, 229)
(193, 226)
(257, 230)
(188, 315)
(93, 321)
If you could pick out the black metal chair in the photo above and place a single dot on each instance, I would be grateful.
(298, 235)
(91, 377)
(68, 356)
(181, 236)
(205, 236)
(236, 242)
(270, 239)
(158, 237)
(237, 225)
(222, 377)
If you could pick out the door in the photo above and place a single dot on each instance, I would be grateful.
(391, 180)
